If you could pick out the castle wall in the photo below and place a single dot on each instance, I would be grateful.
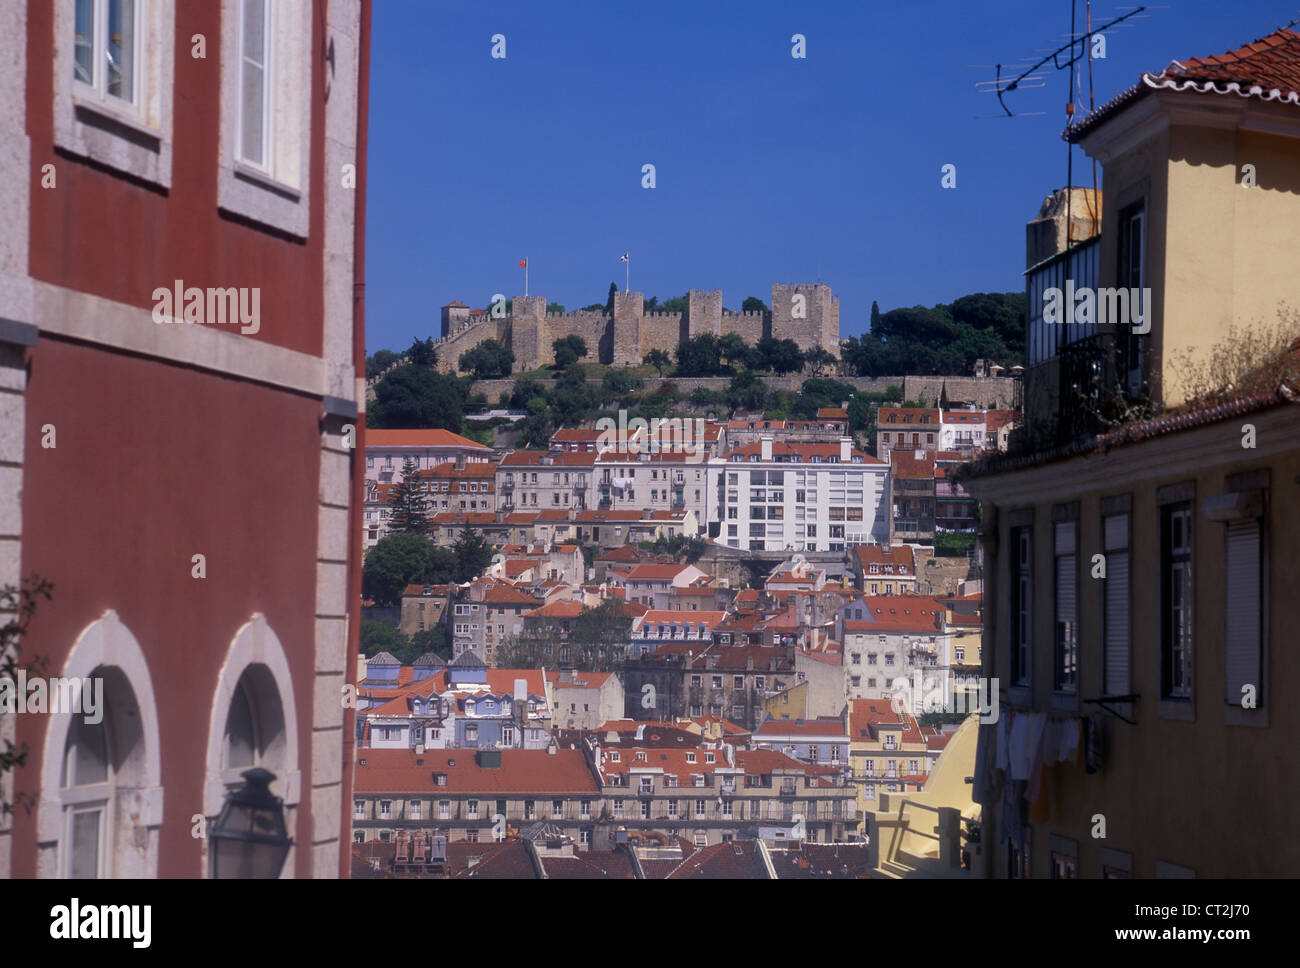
(661, 331)
(466, 337)
(820, 322)
(750, 326)
(592, 325)
(705, 312)
(528, 330)
(628, 307)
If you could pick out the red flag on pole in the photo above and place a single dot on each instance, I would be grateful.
(523, 263)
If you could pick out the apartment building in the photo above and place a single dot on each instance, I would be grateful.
(798, 497)
(891, 638)
(584, 700)
(663, 481)
(387, 452)
(884, 569)
(822, 740)
(541, 480)
(460, 485)
(907, 428)
(714, 795)
(484, 613)
(179, 285)
(1139, 573)
(888, 750)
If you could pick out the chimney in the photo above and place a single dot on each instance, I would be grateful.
(521, 690)
(460, 462)
(765, 445)
(846, 450)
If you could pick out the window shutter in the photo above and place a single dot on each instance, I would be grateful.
(1117, 606)
(1244, 610)
(1066, 578)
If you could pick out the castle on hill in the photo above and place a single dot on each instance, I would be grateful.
(805, 313)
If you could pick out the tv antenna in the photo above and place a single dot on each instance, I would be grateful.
(1061, 58)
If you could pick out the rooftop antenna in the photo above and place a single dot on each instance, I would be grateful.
(1062, 58)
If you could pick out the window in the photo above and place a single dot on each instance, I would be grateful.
(737, 682)
(1066, 646)
(1176, 600)
(116, 61)
(385, 809)
(557, 809)
(105, 49)
(618, 809)
(717, 682)
(672, 809)
(359, 810)
(266, 112)
(690, 757)
(1115, 606)
(444, 810)
(1022, 593)
(645, 809)
(1130, 276)
(471, 809)
(87, 794)
(700, 809)
(1244, 639)
(530, 809)
(414, 812)
(960, 653)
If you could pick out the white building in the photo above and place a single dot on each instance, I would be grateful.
(798, 497)
(388, 450)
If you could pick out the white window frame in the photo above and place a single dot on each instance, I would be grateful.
(275, 193)
(113, 138)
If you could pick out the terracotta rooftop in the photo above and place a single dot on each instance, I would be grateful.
(434, 437)
(521, 771)
(1267, 69)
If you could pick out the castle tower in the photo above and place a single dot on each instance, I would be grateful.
(628, 309)
(454, 316)
(704, 312)
(807, 314)
(527, 329)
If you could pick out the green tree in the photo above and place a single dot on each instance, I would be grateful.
(943, 396)
(875, 314)
(659, 360)
(554, 307)
(18, 603)
(699, 356)
(473, 554)
(422, 353)
(379, 637)
(678, 304)
(747, 391)
(380, 361)
(620, 382)
(433, 640)
(734, 350)
(609, 302)
(410, 502)
(819, 359)
(402, 559)
(568, 350)
(489, 360)
(417, 397)
(779, 355)
(753, 304)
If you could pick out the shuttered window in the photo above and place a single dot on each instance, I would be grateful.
(1245, 610)
(1176, 600)
(1067, 608)
(1117, 618)
(1022, 587)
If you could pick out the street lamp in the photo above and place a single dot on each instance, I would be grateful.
(249, 839)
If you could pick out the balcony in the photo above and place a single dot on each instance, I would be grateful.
(789, 788)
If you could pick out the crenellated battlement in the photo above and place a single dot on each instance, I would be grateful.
(625, 336)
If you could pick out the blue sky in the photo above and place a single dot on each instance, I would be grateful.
(768, 169)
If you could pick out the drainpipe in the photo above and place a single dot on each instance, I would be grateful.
(358, 452)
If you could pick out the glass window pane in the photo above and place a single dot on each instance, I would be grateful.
(83, 44)
(239, 731)
(120, 52)
(253, 95)
(85, 843)
(87, 759)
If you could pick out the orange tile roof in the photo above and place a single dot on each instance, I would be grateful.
(832, 413)
(654, 572)
(435, 437)
(898, 557)
(867, 716)
(900, 613)
(521, 772)
(825, 726)
(500, 594)
(1267, 69)
(559, 460)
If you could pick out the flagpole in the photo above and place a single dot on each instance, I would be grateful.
(525, 277)
(627, 273)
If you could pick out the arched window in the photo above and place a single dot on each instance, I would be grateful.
(87, 794)
(254, 733)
